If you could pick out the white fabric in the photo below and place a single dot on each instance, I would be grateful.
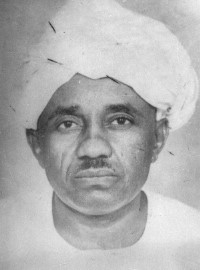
(171, 240)
(98, 38)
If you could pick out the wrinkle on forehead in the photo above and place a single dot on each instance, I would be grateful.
(90, 94)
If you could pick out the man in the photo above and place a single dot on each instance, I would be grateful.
(107, 87)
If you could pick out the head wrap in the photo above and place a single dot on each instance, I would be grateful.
(99, 38)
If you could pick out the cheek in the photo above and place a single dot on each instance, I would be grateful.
(134, 152)
(57, 150)
(52, 152)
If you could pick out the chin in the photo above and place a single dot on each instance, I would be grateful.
(98, 205)
(98, 211)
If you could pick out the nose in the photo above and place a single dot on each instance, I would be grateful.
(93, 146)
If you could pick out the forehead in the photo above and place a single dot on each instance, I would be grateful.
(92, 95)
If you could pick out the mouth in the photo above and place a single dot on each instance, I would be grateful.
(103, 178)
(94, 173)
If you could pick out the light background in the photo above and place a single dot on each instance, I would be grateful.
(177, 172)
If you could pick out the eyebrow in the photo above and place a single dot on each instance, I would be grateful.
(112, 108)
(125, 108)
(61, 111)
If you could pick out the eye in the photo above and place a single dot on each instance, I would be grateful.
(121, 121)
(67, 126)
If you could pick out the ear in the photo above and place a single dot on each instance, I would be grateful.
(34, 143)
(162, 132)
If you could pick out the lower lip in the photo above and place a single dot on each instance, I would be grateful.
(101, 182)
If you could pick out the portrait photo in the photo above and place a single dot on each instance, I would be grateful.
(100, 135)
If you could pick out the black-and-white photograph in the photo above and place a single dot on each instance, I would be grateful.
(100, 135)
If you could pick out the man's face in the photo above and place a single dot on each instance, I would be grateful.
(96, 144)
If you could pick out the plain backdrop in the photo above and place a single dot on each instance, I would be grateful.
(176, 173)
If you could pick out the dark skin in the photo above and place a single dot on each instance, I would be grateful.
(96, 140)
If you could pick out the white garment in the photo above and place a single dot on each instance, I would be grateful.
(171, 241)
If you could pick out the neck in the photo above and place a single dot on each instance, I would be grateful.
(121, 228)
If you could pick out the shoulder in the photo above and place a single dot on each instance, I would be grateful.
(172, 232)
(173, 219)
(26, 230)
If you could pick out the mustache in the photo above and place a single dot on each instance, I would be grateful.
(94, 163)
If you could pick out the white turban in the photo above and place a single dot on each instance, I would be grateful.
(99, 38)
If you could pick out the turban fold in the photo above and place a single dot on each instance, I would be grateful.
(99, 38)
